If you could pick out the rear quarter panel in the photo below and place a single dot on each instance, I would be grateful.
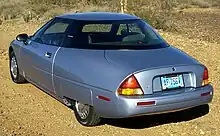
(78, 72)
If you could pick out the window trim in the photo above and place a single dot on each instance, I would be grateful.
(43, 28)
(50, 23)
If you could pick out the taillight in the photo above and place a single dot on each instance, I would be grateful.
(130, 87)
(205, 80)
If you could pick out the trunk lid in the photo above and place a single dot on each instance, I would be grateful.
(149, 65)
(147, 59)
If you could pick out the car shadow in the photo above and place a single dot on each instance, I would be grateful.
(160, 119)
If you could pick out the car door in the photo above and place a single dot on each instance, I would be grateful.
(39, 54)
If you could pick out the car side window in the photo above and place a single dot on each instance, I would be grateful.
(37, 34)
(125, 29)
(122, 28)
(134, 28)
(55, 33)
(59, 27)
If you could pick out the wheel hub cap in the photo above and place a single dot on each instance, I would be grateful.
(82, 110)
(14, 67)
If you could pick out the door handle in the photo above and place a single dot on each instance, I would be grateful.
(48, 54)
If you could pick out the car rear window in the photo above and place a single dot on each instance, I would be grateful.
(124, 34)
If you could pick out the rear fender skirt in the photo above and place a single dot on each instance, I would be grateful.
(73, 90)
(104, 102)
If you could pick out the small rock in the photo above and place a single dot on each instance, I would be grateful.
(74, 126)
(202, 132)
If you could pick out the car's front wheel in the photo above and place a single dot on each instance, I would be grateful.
(85, 114)
(14, 70)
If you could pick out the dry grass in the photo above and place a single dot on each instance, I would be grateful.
(45, 9)
(198, 3)
(202, 24)
(159, 13)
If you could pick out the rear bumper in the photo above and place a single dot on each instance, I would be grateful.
(127, 107)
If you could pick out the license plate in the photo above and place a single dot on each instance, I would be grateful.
(172, 82)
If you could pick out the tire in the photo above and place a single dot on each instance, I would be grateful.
(91, 119)
(14, 70)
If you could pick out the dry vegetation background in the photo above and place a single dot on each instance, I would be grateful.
(190, 25)
(162, 14)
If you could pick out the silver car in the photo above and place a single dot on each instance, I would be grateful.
(108, 65)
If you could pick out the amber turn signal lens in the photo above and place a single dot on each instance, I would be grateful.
(130, 92)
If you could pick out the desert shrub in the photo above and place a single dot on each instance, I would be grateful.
(10, 11)
(93, 8)
(52, 13)
(39, 9)
(83, 7)
(201, 3)
(184, 6)
(26, 17)
(158, 13)
(216, 3)
(1, 21)
(53, 2)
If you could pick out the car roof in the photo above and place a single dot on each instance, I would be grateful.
(98, 16)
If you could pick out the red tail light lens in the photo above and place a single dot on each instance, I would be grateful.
(205, 77)
(130, 82)
(130, 87)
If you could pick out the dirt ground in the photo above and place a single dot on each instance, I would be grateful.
(25, 110)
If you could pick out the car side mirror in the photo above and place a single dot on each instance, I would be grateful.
(22, 37)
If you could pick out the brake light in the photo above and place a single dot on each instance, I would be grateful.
(130, 87)
(205, 77)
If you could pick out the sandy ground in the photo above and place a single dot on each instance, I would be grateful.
(25, 110)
